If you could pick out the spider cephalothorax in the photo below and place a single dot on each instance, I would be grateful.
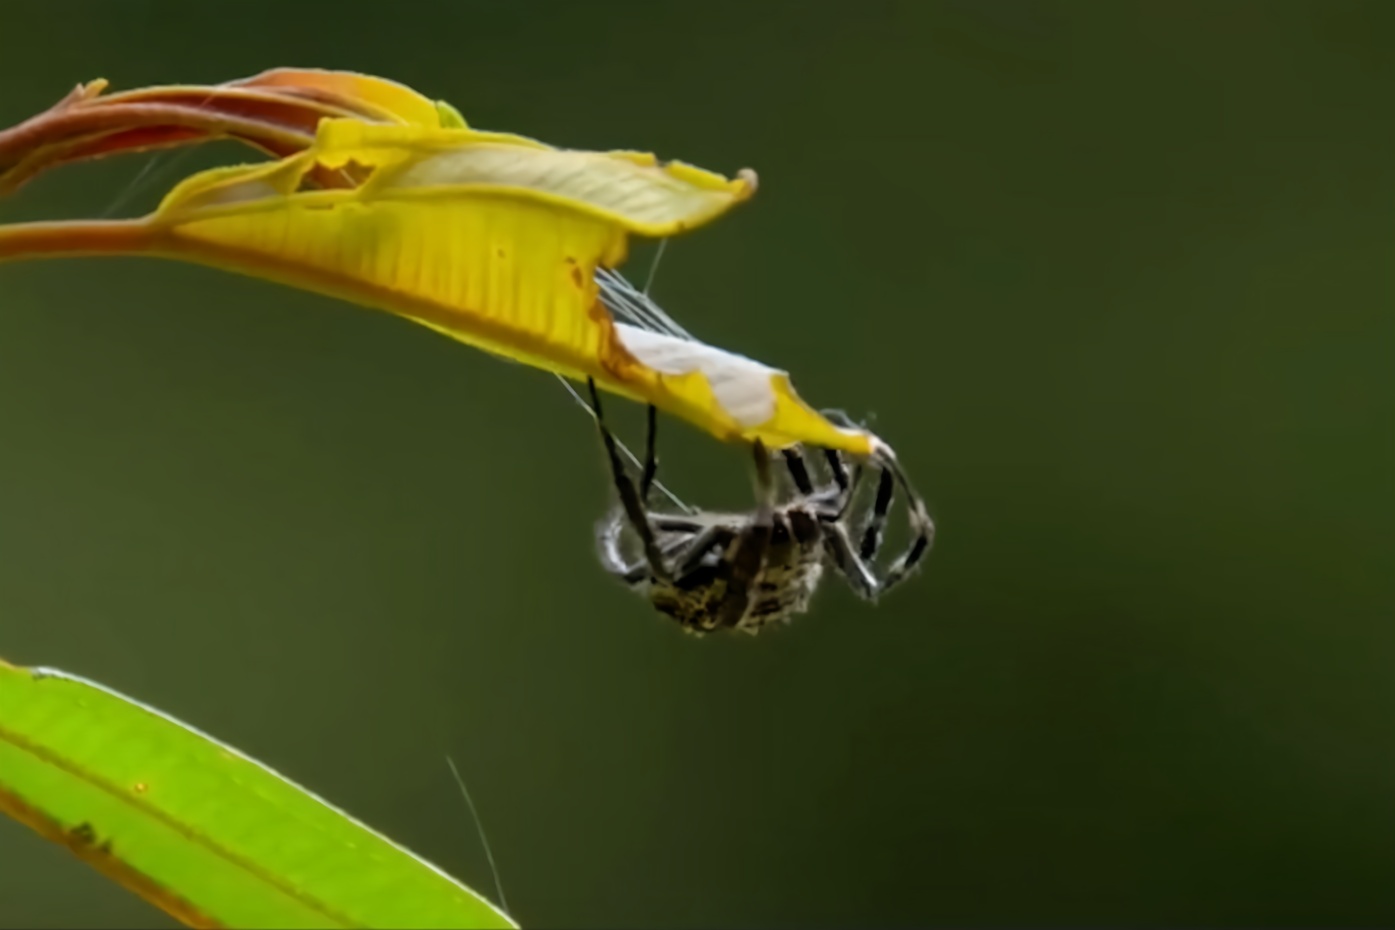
(743, 571)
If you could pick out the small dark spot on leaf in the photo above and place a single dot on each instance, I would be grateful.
(83, 833)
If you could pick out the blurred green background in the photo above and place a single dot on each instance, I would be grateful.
(1115, 280)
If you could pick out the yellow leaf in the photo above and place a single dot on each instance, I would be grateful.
(494, 240)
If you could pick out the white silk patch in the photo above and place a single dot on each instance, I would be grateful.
(743, 387)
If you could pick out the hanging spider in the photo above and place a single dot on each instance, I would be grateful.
(743, 571)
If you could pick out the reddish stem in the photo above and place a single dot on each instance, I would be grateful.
(53, 137)
(74, 238)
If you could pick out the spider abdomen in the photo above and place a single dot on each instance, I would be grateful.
(733, 591)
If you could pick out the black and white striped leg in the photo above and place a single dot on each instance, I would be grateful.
(921, 526)
(799, 470)
(840, 496)
(836, 463)
(848, 483)
(746, 561)
(904, 567)
(840, 549)
(630, 499)
(874, 529)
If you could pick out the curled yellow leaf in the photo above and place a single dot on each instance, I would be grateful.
(494, 240)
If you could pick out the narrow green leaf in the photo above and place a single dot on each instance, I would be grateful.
(197, 828)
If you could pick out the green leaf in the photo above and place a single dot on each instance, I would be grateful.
(197, 828)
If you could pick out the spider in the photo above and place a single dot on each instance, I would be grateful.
(744, 571)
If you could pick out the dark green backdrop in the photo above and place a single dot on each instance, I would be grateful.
(1115, 280)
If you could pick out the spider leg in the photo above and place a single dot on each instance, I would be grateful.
(670, 523)
(846, 484)
(917, 516)
(651, 457)
(838, 467)
(608, 549)
(694, 540)
(743, 568)
(689, 558)
(875, 526)
(629, 496)
(908, 563)
(839, 547)
(765, 482)
(799, 471)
